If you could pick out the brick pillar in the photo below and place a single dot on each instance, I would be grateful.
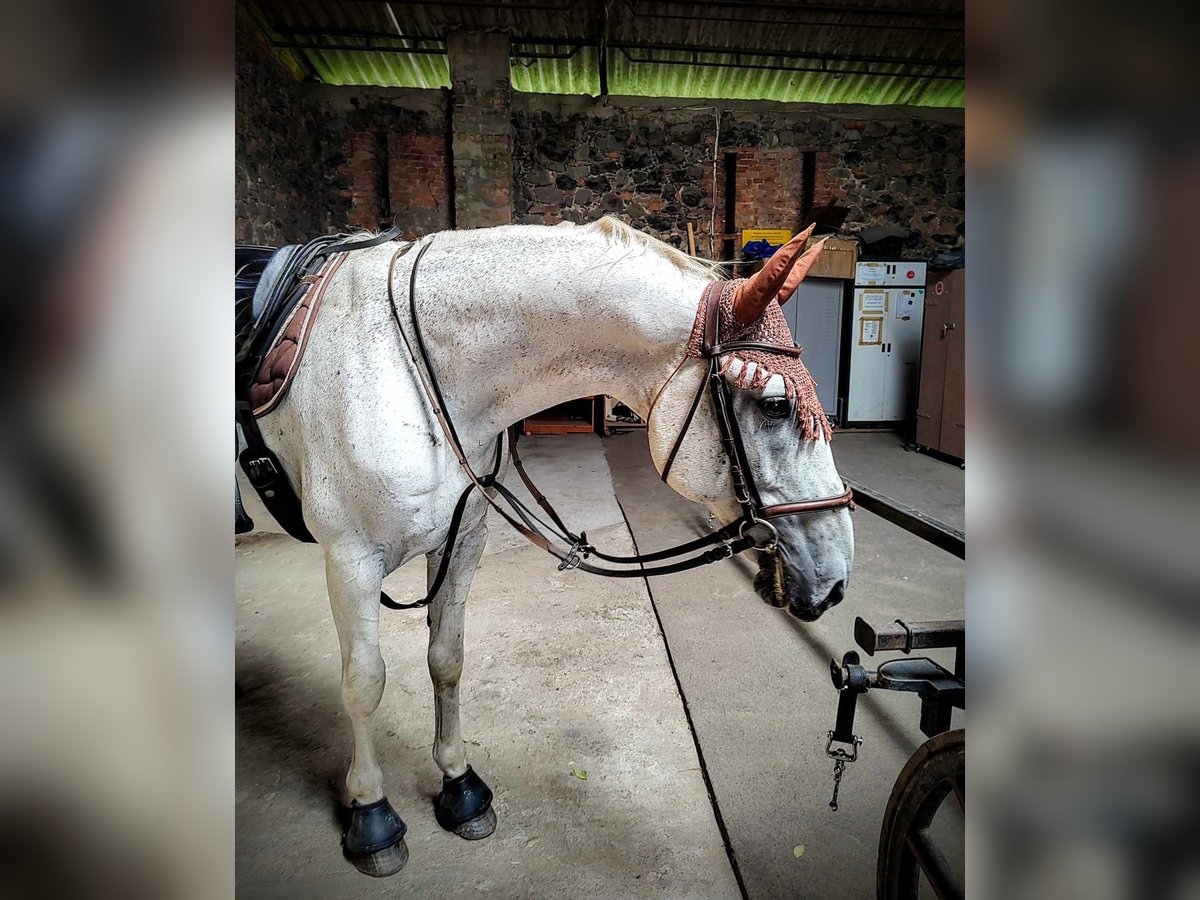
(366, 202)
(482, 120)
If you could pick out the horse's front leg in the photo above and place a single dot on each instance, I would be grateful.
(465, 804)
(374, 840)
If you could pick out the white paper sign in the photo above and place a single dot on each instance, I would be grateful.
(874, 301)
(869, 332)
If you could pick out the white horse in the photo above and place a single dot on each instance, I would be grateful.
(516, 319)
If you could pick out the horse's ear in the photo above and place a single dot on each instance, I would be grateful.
(800, 269)
(753, 295)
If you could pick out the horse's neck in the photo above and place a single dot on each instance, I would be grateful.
(516, 329)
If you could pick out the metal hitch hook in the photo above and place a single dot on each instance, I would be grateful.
(840, 755)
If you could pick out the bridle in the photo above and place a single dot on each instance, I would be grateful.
(754, 512)
(729, 540)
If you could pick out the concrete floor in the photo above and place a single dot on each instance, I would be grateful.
(568, 671)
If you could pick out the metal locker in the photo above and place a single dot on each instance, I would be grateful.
(814, 313)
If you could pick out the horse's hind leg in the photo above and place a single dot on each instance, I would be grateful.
(464, 805)
(374, 840)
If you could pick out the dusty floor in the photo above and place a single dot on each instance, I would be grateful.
(569, 672)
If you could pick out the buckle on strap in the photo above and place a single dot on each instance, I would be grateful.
(580, 550)
(262, 471)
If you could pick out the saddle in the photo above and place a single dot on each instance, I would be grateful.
(277, 293)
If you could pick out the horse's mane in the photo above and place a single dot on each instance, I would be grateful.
(619, 234)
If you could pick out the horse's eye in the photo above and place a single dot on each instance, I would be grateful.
(776, 407)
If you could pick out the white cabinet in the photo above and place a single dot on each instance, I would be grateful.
(885, 349)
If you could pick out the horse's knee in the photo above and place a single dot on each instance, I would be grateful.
(445, 663)
(362, 683)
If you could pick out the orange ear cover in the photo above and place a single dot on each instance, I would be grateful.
(752, 296)
(800, 269)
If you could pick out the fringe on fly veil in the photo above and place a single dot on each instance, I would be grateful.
(771, 327)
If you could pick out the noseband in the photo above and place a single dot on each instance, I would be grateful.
(754, 513)
(729, 540)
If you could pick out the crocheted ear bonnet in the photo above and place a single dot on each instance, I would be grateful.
(770, 327)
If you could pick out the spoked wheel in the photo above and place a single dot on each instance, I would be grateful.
(906, 849)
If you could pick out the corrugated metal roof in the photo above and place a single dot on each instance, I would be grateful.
(832, 51)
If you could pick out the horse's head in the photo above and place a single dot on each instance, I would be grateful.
(772, 405)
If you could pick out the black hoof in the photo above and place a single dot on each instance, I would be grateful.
(478, 828)
(465, 806)
(374, 841)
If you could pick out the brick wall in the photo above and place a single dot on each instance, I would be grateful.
(769, 187)
(385, 159)
(418, 172)
(365, 173)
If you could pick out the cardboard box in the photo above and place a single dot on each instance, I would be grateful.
(837, 260)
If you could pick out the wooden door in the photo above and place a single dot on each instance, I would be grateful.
(933, 367)
(953, 432)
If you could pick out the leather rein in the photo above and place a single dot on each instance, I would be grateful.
(729, 540)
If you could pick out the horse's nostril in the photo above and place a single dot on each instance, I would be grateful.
(836, 595)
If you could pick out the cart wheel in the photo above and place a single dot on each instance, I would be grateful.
(905, 846)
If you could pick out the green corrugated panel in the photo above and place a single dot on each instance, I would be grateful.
(385, 69)
(657, 80)
(577, 74)
(639, 21)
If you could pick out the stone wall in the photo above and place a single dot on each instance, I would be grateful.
(653, 167)
(280, 184)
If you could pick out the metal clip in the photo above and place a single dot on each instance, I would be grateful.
(840, 754)
(839, 768)
(840, 757)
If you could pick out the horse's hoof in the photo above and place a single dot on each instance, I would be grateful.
(478, 828)
(465, 806)
(374, 841)
(385, 862)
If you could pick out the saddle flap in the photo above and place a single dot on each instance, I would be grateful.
(270, 282)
